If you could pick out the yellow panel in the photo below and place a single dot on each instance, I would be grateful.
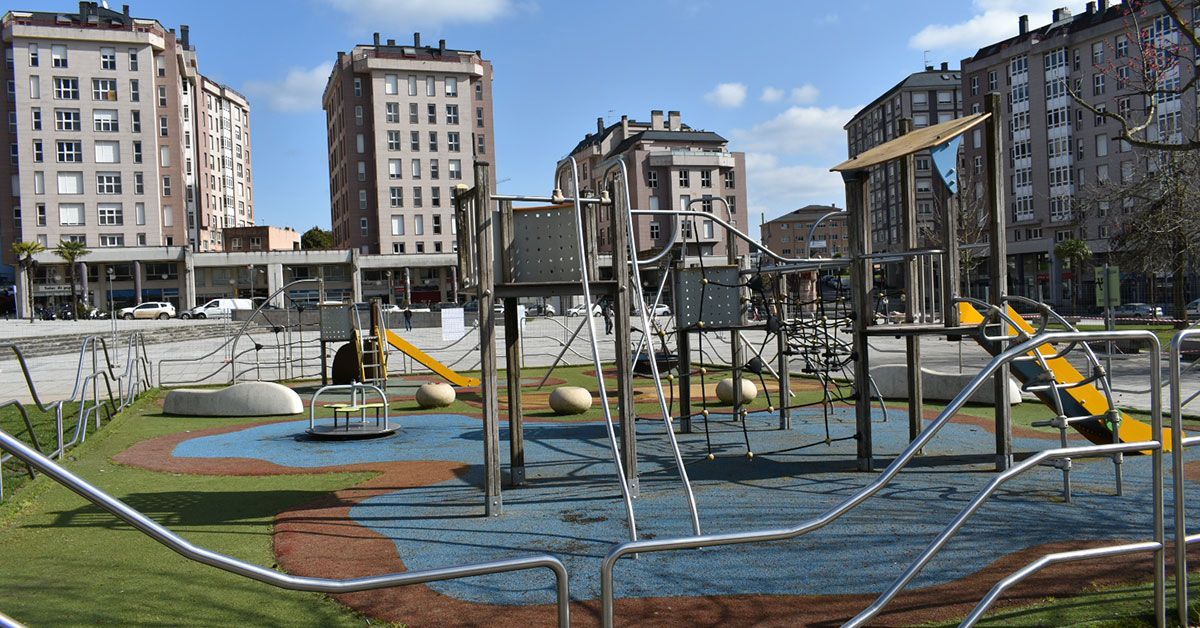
(429, 362)
(911, 142)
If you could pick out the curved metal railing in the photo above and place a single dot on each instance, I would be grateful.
(1010, 354)
(185, 548)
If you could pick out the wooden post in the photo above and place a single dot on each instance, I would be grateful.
(912, 286)
(857, 208)
(486, 293)
(785, 412)
(512, 352)
(624, 351)
(998, 269)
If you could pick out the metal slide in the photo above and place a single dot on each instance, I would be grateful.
(1079, 398)
(426, 360)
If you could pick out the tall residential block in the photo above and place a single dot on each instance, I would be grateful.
(671, 166)
(1055, 148)
(406, 123)
(811, 231)
(115, 138)
(925, 98)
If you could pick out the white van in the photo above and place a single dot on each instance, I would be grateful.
(218, 308)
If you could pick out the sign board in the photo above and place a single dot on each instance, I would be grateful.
(453, 326)
(817, 244)
(1110, 283)
(52, 288)
(521, 317)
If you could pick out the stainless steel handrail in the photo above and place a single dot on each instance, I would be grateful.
(205, 556)
(626, 495)
(884, 478)
(1053, 559)
(232, 342)
(959, 521)
(9, 622)
(1179, 446)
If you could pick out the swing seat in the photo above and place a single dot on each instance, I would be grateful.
(666, 362)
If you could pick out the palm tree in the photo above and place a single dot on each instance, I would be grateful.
(70, 252)
(1075, 253)
(25, 252)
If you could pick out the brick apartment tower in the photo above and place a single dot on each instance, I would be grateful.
(405, 125)
(115, 137)
(670, 165)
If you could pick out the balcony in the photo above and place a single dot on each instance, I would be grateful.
(691, 158)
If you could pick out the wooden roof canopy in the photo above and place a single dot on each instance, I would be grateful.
(912, 142)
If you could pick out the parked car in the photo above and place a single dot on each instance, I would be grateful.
(149, 309)
(578, 310)
(662, 309)
(1137, 310)
(538, 309)
(1193, 309)
(218, 308)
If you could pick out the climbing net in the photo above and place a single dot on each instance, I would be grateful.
(813, 324)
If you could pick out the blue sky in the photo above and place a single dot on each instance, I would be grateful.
(779, 79)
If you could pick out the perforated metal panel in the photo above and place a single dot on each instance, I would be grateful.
(716, 305)
(336, 323)
(545, 245)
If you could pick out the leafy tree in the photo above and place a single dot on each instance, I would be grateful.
(70, 252)
(25, 252)
(316, 239)
(1075, 253)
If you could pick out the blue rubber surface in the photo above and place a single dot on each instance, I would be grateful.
(571, 506)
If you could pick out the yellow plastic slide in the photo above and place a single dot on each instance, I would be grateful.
(1088, 399)
(428, 362)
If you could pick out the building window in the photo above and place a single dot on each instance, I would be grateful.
(393, 140)
(413, 116)
(731, 204)
(730, 179)
(433, 169)
(451, 86)
(33, 55)
(105, 120)
(104, 89)
(651, 179)
(414, 140)
(41, 214)
(452, 142)
(479, 117)
(358, 87)
(684, 178)
(110, 214)
(416, 168)
(397, 197)
(358, 115)
(480, 145)
(394, 169)
(1097, 84)
(974, 85)
(70, 214)
(66, 88)
(412, 85)
(430, 86)
(67, 120)
(137, 152)
(133, 60)
(452, 114)
(431, 113)
(139, 184)
(112, 240)
(455, 169)
(478, 91)
(135, 94)
(397, 226)
(136, 121)
(362, 199)
(418, 201)
(390, 85)
(362, 171)
(392, 115)
(992, 84)
(706, 178)
(35, 87)
(166, 186)
(58, 56)
(108, 58)
(1122, 48)
(433, 141)
(365, 226)
(163, 126)
(70, 151)
(435, 200)
(108, 183)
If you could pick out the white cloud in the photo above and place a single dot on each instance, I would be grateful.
(990, 22)
(777, 188)
(771, 94)
(300, 90)
(806, 94)
(409, 14)
(727, 95)
(798, 130)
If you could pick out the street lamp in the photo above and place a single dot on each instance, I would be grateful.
(112, 310)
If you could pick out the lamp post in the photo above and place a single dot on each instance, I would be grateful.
(112, 311)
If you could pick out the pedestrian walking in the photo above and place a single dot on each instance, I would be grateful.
(407, 318)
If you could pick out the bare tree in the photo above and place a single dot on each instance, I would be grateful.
(970, 206)
(1152, 216)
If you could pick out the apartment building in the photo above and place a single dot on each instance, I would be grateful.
(671, 166)
(811, 231)
(926, 98)
(261, 238)
(406, 123)
(105, 126)
(1055, 147)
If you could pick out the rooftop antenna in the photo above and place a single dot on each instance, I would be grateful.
(925, 54)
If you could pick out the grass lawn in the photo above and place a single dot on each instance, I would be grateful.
(66, 562)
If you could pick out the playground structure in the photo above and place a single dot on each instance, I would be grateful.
(512, 251)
